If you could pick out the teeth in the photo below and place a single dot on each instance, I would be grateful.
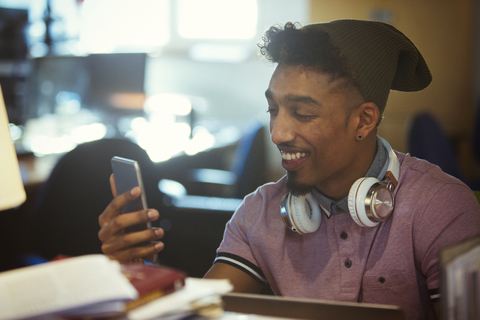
(293, 156)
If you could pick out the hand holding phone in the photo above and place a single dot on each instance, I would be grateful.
(128, 176)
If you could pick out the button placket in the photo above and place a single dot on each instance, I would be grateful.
(346, 251)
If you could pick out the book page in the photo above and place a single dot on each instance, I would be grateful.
(62, 285)
(180, 302)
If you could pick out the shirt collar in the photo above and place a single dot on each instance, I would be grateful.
(377, 170)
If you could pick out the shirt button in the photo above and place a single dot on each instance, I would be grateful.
(348, 263)
(381, 279)
(343, 235)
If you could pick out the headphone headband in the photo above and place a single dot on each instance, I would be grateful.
(393, 169)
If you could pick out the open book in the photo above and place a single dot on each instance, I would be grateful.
(91, 285)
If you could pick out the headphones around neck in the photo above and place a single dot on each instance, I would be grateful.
(369, 201)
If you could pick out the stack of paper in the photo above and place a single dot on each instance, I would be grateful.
(198, 296)
(95, 286)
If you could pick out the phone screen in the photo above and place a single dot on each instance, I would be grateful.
(127, 176)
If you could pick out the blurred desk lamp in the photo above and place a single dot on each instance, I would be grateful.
(12, 192)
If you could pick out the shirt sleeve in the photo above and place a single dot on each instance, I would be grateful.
(235, 249)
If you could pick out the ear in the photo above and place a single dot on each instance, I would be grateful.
(368, 115)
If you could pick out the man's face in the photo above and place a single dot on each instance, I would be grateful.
(311, 126)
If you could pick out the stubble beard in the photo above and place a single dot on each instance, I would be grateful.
(297, 188)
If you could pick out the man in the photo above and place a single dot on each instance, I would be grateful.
(326, 99)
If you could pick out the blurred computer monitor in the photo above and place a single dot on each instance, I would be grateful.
(13, 56)
(13, 34)
(108, 84)
(116, 82)
(53, 82)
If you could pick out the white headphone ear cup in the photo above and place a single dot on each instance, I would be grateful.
(300, 215)
(356, 201)
(352, 203)
(286, 210)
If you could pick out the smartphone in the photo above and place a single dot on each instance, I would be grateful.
(127, 176)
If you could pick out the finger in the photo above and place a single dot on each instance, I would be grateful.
(115, 206)
(122, 242)
(125, 246)
(113, 186)
(116, 225)
(133, 254)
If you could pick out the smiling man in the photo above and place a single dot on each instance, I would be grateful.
(352, 220)
(364, 223)
(311, 118)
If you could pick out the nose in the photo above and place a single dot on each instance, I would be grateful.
(281, 128)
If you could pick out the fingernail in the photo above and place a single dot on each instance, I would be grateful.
(158, 232)
(152, 214)
(159, 246)
(135, 191)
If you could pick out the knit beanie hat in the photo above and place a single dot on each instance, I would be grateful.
(381, 57)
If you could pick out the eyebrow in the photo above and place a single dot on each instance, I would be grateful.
(295, 98)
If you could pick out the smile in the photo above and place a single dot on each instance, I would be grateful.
(293, 156)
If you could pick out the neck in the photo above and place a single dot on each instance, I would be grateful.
(359, 166)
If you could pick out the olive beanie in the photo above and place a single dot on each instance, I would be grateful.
(381, 57)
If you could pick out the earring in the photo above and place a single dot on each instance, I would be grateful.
(360, 137)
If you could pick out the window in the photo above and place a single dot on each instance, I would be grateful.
(124, 25)
(217, 19)
(147, 25)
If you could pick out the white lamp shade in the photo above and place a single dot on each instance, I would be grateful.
(12, 192)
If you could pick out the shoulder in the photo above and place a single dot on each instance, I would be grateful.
(417, 173)
(434, 209)
(267, 193)
(426, 193)
(263, 204)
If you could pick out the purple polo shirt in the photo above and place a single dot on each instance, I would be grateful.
(394, 263)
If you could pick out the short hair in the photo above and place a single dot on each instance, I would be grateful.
(380, 57)
(308, 47)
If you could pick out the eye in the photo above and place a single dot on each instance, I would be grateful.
(303, 117)
(272, 111)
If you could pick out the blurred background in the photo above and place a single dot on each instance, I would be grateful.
(139, 69)
(74, 70)
(183, 80)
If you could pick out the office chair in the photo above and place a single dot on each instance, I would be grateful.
(248, 169)
(66, 210)
(427, 140)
